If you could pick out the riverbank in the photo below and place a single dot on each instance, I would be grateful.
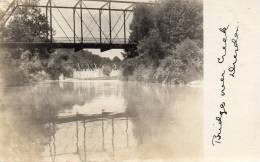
(192, 84)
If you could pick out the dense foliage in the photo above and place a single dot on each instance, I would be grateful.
(21, 65)
(65, 60)
(170, 41)
(26, 65)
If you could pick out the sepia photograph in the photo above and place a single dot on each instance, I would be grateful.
(101, 80)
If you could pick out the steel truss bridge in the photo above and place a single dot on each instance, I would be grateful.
(98, 24)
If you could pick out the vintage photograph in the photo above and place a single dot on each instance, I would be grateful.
(101, 80)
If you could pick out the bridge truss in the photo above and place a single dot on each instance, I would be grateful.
(99, 24)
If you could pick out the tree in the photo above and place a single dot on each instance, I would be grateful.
(116, 59)
(142, 23)
(183, 65)
(166, 34)
(116, 63)
(191, 55)
(153, 48)
(180, 19)
(28, 24)
(25, 25)
(175, 21)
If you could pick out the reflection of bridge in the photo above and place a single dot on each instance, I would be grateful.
(87, 119)
(101, 24)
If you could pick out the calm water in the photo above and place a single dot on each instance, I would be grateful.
(158, 122)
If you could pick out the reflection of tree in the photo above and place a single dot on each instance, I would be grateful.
(155, 111)
(23, 109)
(149, 108)
(57, 99)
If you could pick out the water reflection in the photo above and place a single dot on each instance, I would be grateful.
(155, 121)
(167, 121)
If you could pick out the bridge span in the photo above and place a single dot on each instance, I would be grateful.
(97, 24)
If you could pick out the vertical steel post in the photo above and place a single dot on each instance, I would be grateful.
(51, 21)
(100, 26)
(47, 33)
(74, 26)
(81, 21)
(110, 23)
(124, 27)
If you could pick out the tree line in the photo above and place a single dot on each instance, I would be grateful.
(169, 38)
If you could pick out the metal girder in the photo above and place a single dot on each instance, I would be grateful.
(127, 8)
(100, 26)
(124, 27)
(8, 8)
(77, 4)
(48, 2)
(81, 21)
(11, 8)
(104, 5)
(110, 23)
(112, 41)
(74, 26)
(66, 7)
(74, 21)
(76, 46)
(115, 1)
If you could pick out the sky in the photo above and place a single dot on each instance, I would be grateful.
(110, 53)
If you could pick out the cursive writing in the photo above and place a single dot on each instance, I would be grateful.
(229, 69)
(217, 137)
(222, 79)
(223, 30)
(232, 68)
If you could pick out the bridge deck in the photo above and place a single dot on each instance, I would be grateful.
(76, 46)
(87, 118)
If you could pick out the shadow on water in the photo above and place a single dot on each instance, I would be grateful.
(157, 121)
